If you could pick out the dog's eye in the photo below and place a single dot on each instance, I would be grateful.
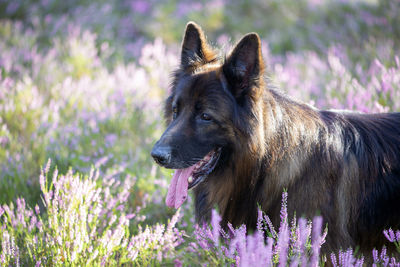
(205, 117)
(174, 112)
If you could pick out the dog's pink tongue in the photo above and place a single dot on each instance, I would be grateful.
(177, 191)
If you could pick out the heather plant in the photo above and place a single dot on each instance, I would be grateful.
(83, 221)
(82, 115)
(295, 243)
(383, 258)
(346, 258)
(370, 90)
(82, 82)
(393, 237)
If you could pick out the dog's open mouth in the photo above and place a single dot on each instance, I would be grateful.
(203, 168)
(184, 179)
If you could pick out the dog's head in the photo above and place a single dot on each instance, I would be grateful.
(209, 105)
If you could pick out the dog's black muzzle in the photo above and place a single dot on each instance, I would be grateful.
(162, 154)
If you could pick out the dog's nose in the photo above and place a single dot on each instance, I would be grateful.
(161, 154)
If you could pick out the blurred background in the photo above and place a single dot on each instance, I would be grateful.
(82, 82)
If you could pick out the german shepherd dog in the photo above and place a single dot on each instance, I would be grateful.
(238, 143)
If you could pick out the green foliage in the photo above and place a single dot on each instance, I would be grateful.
(82, 83)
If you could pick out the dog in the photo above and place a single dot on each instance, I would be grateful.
(238, 143)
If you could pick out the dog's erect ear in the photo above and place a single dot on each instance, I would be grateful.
(195, 50)
(244, 66)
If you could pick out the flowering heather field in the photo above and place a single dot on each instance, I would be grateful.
(81, 91)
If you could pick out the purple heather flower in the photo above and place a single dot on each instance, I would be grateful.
(42, 180)
(283, 244)
(140, 6)
(316, 240)
(259, 220)
(12, 7)
(389, 234)
(47, 168)
(375, 255)
(270, 226)
(383, 257)
(177, 263)
(130, 216)
(32, 223)
(231, 229)
(216, 228)
(269, 251)
(333, 260)
(284, 214)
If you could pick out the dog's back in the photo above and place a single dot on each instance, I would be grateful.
(342, 165)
